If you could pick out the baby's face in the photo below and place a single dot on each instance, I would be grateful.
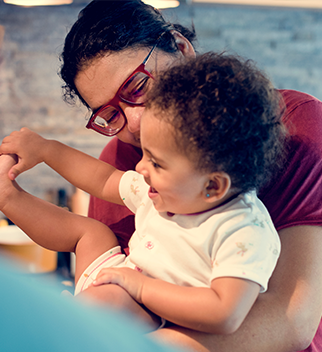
(175, 184)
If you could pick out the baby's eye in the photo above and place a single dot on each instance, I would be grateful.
(154, 164)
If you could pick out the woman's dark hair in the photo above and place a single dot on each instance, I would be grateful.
(226, 117)
(112, 26)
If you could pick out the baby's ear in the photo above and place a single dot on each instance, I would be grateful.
(218, 186)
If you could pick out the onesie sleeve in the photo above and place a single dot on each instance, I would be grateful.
(133, 189)
(249, 252)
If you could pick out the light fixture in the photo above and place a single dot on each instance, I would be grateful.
(162, 4)
(283, 3)
(38, 2)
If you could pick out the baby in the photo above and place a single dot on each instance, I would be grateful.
(204, 245)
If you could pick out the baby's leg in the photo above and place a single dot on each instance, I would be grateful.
(96, 246)
(116, 297)
(50, 226)
(58, 229)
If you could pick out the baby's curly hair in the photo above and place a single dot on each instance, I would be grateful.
(226, 116)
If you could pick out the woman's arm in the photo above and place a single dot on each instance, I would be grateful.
(83, 171)
(219, 309)
(283, 319)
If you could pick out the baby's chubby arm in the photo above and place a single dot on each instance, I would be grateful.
(83, 171)
(219, 309)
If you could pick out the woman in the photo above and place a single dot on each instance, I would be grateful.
(193, 190)
(104, 51)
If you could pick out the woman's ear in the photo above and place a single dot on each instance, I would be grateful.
(218, 186)
(184, 45)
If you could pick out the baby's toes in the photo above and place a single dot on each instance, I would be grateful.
(6, 163)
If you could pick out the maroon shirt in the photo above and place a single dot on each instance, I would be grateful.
(293, 198)
(295, 195)
(118, 218)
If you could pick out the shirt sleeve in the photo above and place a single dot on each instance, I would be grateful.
(247, 245)
(133, 189)
(249, 253)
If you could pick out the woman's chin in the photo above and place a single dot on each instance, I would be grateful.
(129, 139)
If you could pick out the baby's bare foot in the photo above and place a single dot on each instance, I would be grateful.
(6, 185)
(6, 163)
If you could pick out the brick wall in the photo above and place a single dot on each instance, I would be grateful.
(285, 42)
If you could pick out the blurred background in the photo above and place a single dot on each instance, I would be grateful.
(284, 41)
(284, 37)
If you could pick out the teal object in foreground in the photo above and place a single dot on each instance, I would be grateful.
(35, 317)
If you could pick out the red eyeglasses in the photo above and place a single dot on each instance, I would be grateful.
(110, 118)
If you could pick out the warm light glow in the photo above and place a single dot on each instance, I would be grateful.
(162, 4)
(38, 2)
(284, 3)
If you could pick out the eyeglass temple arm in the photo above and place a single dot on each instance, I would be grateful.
(154, 46)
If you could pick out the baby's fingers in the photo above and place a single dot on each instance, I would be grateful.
(107, 276)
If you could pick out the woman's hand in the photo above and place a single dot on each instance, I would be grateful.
(131, 280)
(27, 145)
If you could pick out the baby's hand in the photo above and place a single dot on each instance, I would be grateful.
(131, 280)
(27, 145)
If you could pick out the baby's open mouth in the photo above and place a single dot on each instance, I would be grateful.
(153, 190)
(153, 193)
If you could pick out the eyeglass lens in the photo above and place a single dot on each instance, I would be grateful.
(135, 89)
(111, 120)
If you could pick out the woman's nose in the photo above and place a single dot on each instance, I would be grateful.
(133, 116)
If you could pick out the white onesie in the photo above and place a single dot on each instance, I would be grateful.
(237, 239)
